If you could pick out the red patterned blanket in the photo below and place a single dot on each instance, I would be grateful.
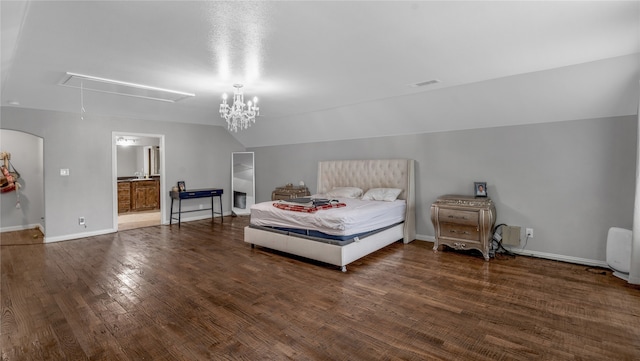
(307, 209)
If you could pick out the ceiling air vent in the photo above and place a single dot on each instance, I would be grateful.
(425, 83)
(93, 83)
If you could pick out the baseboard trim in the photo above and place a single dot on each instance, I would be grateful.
(419, 237)
(422, 237)
(68, 237)
(560, 257)
(634, 280)
(545, 255)
(22, 228)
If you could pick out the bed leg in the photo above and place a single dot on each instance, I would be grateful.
(343, 268)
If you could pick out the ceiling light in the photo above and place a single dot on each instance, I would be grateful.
(236, 115)
(126, 141)
(104, 85)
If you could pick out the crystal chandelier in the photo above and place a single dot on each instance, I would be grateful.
(239, 115)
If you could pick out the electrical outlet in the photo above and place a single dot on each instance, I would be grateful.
(529, 233)
(81, 221)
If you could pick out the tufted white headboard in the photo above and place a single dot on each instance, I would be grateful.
(377, 173)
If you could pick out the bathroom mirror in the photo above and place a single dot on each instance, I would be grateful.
(242, 182)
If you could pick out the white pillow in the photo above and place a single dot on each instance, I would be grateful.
(382, 194)
(345, 192)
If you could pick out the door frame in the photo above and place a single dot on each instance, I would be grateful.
(114, 173)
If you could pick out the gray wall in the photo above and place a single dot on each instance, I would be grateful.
(198, 154)
(570, 181)
(27, 157)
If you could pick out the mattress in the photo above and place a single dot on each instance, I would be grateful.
(356, 217)
(322, 237)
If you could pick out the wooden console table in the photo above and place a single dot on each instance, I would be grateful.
(196, 193)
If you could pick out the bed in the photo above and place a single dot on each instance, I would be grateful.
(363, 174)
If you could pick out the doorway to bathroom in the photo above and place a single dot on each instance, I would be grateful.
(138, 176)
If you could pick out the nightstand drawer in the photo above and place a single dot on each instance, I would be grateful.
(459, 217)
(458, 231)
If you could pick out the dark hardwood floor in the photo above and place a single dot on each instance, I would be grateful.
(15, 238)
(198, 292)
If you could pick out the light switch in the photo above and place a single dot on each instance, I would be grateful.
(64, 172)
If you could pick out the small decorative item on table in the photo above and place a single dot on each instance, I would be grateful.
(480, 189)
(290, 191)
(181, 186)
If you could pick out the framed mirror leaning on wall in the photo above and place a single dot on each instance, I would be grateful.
(243, 186)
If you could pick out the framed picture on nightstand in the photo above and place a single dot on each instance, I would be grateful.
(480, 189)
(181, 186)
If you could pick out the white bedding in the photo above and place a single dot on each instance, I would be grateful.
(357, 217)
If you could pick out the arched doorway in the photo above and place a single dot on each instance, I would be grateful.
(22, 211)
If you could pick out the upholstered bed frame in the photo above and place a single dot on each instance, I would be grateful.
(364, 174)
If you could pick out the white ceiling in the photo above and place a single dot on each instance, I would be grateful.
(317, 66)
